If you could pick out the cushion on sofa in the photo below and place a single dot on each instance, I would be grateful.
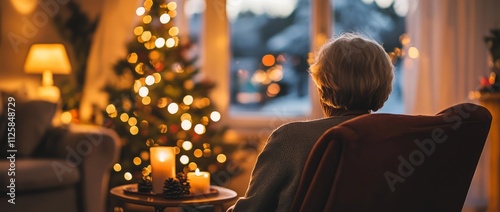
(39, 173)
(33, 119)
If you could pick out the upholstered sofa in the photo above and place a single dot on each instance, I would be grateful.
(53, 168)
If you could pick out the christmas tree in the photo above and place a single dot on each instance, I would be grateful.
(162, 99)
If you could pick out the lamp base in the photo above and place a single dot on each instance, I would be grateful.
(49, 93)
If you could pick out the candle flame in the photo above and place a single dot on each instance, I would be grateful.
(162, 157)
(197, 172)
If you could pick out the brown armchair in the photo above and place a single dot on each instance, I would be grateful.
(62, 168)
(387, 162)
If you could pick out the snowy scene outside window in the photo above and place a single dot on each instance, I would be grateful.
(270, 42)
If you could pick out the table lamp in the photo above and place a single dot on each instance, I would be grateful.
(47, 59)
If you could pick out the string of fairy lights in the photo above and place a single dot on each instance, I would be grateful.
(141, 87)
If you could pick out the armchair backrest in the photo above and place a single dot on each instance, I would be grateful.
(389, 162)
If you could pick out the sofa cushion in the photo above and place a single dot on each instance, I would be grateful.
(32, 119)
(39, 173)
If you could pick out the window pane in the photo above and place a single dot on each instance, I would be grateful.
(269, 47)
(193, 10)
(384, 21)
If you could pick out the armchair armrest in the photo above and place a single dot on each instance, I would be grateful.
(93, 150)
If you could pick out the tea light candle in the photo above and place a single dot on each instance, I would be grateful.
(162, 166)
(199, 181)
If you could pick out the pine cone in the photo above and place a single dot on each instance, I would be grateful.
(184, 182)
(145, 185)
(172, 188)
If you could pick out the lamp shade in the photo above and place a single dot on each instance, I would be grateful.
(47, 57)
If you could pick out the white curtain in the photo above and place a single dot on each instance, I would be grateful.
(452, 54)
(449, 36)
(115, 29)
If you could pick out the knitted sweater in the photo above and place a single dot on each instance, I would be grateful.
(278, 169)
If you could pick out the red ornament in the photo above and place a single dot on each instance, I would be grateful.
(195, 137)
(159, 67)
(485, 82)
(174, 128)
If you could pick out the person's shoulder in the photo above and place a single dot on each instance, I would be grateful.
(310, 123)
(297, 128)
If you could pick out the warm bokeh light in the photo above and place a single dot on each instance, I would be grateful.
(172, 13)
(132, 58)
(124, 117)
(170, 43)
(173, 31)
(155, 55)
(215, 116)
(117, 167)
(134, 130)
(150, 80)
(146, 100)
(198, 153)
(275, 74)
(148, 4)
(186, 125)
(188, 100)
(273, 89)
(138, 30)
(204, 120)
(164, 18)
(413, 52)
(184, 159)
(177, 150)
(207, 153)
(143, 91)
(187, 145)
(157, 77)
(192, 166)
(132, 121)
(186, 116)
(173, 108)
(268, 60)
(199, 129)
(138, 68)
(111, 109)
(66, 117)
(140, 11)
(137, 85)
(146, 36)
(127, 176)
(162, 128)
(160, 42)
(147, 19)
(221, 158)
(259, 76)
(137, 161)
(404, 39)
(172, 5)
(162, 102)
(145, 155)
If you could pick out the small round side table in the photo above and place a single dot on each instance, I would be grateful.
(160, 203)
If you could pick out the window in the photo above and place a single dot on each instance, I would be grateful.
(270, 42)
(384, 21)
(193, 10)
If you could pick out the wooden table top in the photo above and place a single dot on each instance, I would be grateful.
(223, 195)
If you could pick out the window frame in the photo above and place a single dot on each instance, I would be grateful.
(216, 38)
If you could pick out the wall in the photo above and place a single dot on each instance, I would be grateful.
(19, 31)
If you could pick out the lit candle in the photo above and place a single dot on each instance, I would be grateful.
(162, 166)
(199, 182)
